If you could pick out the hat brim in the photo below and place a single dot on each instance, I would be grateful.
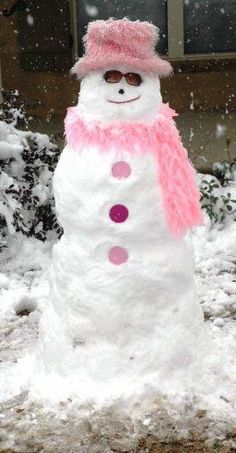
(153, 65)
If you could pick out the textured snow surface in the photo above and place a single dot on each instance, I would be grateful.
(178, 416)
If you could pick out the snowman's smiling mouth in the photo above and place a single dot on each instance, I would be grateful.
(125, 102)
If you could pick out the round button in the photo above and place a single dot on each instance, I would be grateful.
(118, 255)
(118, 213)
(121, 170)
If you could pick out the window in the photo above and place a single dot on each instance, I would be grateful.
(45, 43)
(154, 11)
(209, 26)
(189, 29)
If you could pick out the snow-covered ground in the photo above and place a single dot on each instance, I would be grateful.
(27, 426)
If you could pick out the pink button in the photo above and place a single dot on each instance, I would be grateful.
(118, 213)
(121, 170)
(118, 255)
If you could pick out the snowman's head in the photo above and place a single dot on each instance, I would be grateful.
(120, 94)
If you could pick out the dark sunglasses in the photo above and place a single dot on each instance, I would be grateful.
(116, 76)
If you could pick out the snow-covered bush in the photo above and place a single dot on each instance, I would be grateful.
(218, 192)
(225, 172)
(27, 162)
(12, 109)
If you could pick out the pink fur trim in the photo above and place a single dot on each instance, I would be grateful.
(121, 42)
(176, 174)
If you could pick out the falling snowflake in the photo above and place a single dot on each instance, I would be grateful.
(192, 102)
(30, 20)
(91, 10)
(191, 135)
(220, 130)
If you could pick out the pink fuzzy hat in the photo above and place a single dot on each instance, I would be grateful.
(121, 42)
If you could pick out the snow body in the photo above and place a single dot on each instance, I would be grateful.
(116, 330)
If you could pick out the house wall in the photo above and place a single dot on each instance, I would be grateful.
(50, 93)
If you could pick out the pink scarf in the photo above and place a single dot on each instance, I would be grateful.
(176, 174)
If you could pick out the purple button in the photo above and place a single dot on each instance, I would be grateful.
(121, 170)
(118, 213)
(118, 255)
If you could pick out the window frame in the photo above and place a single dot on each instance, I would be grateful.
(74, 31)
(1, 87)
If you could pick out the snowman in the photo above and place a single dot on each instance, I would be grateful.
(123, 318)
